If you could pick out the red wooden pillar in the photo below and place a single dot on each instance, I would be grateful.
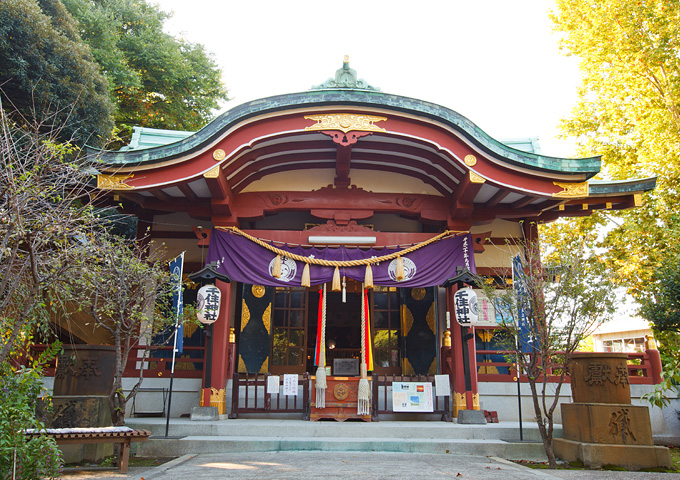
(220, 351)
(464, 398)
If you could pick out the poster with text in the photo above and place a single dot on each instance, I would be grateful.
(412, 397)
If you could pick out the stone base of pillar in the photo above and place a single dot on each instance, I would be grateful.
(597, 455)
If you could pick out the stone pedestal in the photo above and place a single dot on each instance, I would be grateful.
(601, 427)
(202, 414)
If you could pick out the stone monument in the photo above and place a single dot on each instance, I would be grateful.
(82, 381)
(601, 427)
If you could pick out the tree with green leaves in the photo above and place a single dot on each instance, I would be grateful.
(44, 212)
(156, 79)
(558, 299)
(46, 67)
(125, 288)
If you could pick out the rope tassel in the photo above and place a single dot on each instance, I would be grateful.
(364, 393)
(368, 278)
(320, 382)
(399, 271)
(305, 281)
(364, 389)
(276, 269)
(336, 281)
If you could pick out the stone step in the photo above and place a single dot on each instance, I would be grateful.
(532, 451)
(506, 431)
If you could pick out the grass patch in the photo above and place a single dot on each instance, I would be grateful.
(149, 461)
(112, 462)
(578, 465)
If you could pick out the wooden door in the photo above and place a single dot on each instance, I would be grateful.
(419, 331)
(255, 333)
(289, 336)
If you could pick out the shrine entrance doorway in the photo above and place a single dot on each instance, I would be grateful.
(278, 330)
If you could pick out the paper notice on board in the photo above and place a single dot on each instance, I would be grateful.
(290, 384)
(442, 387)
(273, 384)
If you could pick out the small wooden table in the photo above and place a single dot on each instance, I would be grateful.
(341, 400)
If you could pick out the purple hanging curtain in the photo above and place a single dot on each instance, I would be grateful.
(244, 261)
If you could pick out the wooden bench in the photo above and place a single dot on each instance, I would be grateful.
(121, 435)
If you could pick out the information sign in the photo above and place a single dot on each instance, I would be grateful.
(412, 397)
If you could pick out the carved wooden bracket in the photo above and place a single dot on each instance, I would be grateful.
(345, 139)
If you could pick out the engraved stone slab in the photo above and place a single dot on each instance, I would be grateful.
(600, 378)
(85, 370)
(607, 423)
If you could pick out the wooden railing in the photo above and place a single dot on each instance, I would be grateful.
(249, 395)
(383, 384)
(644, 368)
(188, 364)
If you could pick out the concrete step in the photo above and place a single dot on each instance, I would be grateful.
(218, 444)
(506, 431)
(266, 435)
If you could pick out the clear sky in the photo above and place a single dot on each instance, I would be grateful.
(496, 62)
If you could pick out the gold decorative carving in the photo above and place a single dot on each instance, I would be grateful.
(407, 320)
(345, 122)
(572, 190)
(561, 207)
(431, 319)
(264, 368)
(487, 369)
(485, 335)
(267, 319)
(217, 399)
(114, 182)
(609, 205)
(232, 335)
(219, 154)
(213, 172)
(418, 293)
(341, 391)
(637, 199)
(476, 178)
(245, 316)
(258, 291)
(459, 403)
(433, 367)
(407, 368)
(446, 342)
(475, 401)
(470, 160)
(241, 365)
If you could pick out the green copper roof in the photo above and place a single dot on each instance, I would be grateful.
(346, 77)
(358, 98)
(152, 145)
(606, 187)
(143, 137)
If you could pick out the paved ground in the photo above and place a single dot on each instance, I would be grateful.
(347, 465)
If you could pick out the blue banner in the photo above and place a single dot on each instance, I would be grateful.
(520, 283)
(176, 271)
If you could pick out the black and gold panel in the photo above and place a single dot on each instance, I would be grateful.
(419, 331)
(255, 333)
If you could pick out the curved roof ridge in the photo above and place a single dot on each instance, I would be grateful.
(589, 166)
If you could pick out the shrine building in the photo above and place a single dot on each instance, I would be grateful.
(344, 184)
